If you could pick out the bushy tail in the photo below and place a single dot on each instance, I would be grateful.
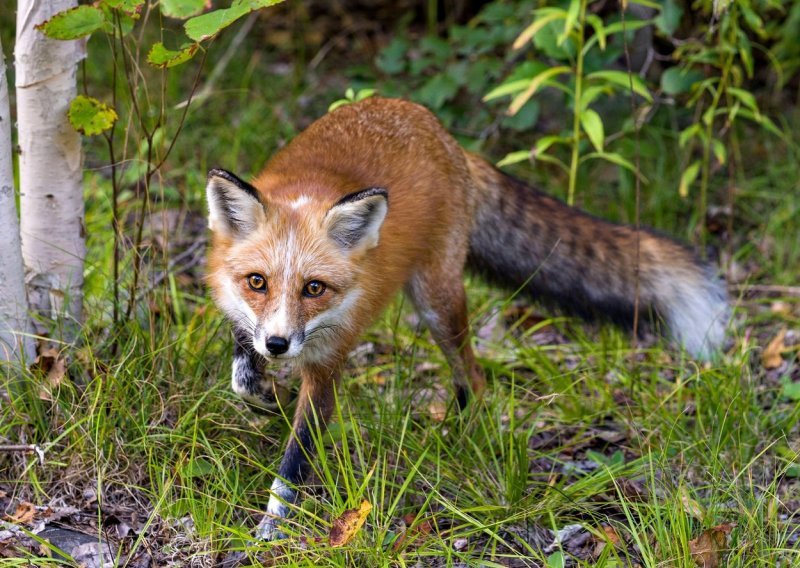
(524, 239)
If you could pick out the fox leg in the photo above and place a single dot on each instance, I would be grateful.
(314, 405)
(441, 303)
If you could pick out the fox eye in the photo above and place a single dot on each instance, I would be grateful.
(257, 283)
(314, 289)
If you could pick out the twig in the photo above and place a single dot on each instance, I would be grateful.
(25, 449)
(194, 261)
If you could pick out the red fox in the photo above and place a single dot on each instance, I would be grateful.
(376, 197)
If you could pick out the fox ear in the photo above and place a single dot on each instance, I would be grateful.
(354, 222)
(234, 207)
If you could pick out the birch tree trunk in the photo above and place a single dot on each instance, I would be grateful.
(15, 342)
(50, 168)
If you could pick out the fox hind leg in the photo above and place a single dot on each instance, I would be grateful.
(441, 302)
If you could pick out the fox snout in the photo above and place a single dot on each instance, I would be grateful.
(278, 345)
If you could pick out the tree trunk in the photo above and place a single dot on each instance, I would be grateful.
(16, 343)
(50, 169)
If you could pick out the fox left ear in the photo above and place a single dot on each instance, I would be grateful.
(354, 222)
(234, 207)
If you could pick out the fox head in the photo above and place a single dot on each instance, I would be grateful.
(286, 272)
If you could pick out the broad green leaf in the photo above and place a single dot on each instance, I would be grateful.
(89, 116)
(676, 81)
(624, 80)
(208, 25)
(687, 178)
(548, 15)
(514, 158)
(746, 53)
(73, 23)
(182, 8)
(160, 56)
(670, 17)
(534, 85)
(593, 126)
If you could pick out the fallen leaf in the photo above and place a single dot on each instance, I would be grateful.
(706, 548)
(437, 409)
(413, 532)
(24, 514)
(690, 506)
(771, 356)
(607, 536)
(781, 308)
(54, 366)
(347, 525)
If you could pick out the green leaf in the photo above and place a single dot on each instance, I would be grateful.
(507, 89)
(593, 126)
(544, 143)
(129, 6)
(208, 25)
(515, 158)
(687, 178)
(556, 560)
(624, 80)
(791, 390)
(160, 56)
(573, 11)
(720, 152)
(670, 17)
(73, 23)
(746, 97)
(547, 15)
(89, 116)
(675, 80)
(182, 8)
(599, 29)
(534, 85)
(690, 132)
(616, 159)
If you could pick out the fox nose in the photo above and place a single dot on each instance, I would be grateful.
(277, 345)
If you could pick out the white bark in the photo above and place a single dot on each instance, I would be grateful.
(51, 197)
(16, 343)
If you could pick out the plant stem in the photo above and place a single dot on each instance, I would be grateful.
(576, 109)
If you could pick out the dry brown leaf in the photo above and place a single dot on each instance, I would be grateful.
(690, 506)
(607, 536)
(414, 532)
(347, 525)
(24, 514)
(706, 548)
(771, 356)
(54, 366)
(437, 409)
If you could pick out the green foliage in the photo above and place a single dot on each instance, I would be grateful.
(351, 96)
(74, 23)
(449, 74)
(571, 43)
(89, 116)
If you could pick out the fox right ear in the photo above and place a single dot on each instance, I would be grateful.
(234, 207)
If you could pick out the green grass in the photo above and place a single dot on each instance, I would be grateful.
(576, 427)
